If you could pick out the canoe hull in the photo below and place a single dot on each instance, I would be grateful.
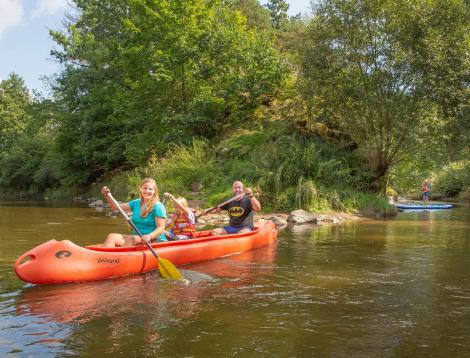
(63, 262)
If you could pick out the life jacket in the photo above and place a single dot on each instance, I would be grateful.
(181, 225)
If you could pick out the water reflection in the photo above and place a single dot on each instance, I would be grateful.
(107, 298)
(396, 287)
(123, 307)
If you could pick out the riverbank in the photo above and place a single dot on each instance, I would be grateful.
(282, 220)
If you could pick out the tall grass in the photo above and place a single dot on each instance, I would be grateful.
(183, 165)
(306, 194)
(287, 171)
(295, 171)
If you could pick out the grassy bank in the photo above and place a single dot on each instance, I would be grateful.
(287, 171)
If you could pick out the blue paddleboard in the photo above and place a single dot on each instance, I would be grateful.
(423, 207)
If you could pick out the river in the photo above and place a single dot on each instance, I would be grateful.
(395, 287)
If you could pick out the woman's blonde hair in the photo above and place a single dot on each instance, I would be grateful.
(146, 209)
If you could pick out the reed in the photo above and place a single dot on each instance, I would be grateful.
(306, 194)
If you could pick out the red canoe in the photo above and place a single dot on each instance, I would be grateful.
(63, 261)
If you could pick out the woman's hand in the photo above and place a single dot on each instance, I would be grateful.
(147, 238)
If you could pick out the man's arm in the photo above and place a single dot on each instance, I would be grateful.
(254, 202)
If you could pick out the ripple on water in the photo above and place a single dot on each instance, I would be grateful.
(375, 289)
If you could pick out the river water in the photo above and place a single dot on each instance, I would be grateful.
(396, 287)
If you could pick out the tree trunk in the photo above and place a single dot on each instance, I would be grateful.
(382, 177)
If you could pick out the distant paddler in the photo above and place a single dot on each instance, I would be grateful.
(426, 190)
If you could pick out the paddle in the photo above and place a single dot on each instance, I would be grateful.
(235, 198)
(166, 268)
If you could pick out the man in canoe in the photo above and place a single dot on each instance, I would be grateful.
(240, 211)
(148, 215)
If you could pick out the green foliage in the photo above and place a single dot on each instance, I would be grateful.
(134, 178)
(23, 160)
(372, 205)
(278, 11)
(465, 194)
(373, 71)
(391, 192)
(453, 179)
(282, 201)
(14, 102)
(183, 165)
(124, 185)
(292, 157)
(353, 201)
(219, 195)
(154, 73)
(292, 171)
(306, 194)
(257, 16)
(195, 90)
(242, 142)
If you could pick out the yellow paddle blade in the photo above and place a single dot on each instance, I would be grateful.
(168, 270)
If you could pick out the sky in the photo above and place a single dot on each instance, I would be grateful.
(25, 44)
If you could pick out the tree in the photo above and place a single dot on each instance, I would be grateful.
(386, 73)
(258, 17)
(14, 101)
(278, 11)
(26, 138)
(142, 74)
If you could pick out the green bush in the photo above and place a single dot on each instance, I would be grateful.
(183, 165)
(306, 194)
(465, 194)
(453, 179)
(282, 201)
(391, 192)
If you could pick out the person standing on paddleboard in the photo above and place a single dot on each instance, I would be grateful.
(426, 190)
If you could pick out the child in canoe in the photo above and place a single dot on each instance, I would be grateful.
(183, 222)
(426, 190)
(148, 215)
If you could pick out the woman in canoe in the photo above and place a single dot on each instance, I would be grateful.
(148, 214)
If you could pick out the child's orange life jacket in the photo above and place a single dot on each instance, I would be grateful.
(180, 224)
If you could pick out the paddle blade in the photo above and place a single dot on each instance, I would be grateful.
(168, 270)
